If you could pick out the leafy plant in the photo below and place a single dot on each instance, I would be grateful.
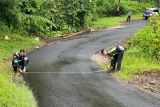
(147, 41)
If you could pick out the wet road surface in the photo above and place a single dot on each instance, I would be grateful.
(63, 74)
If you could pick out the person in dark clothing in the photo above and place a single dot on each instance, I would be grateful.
(116, 55)
(20, 61)
(128, 16)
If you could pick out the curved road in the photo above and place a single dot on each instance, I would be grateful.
(63, 74)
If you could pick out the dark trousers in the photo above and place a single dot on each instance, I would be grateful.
(128, 18)
(117, 59)
(15, 66)
(113, 62)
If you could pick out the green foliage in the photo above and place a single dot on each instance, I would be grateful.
(112, 21)
(14, 43)
(143, 51)
(15, 96)
(45, 17)
(132, 64)
(29, 6)
(109, 8)
(13, 92)
(135, 7)
(37, 25)
(147, 41)
(8, 13)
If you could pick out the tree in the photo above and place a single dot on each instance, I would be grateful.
(6, 12)
(118, 5)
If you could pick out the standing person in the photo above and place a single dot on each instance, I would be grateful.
(116, 55)
(128, 16)
(20, 61)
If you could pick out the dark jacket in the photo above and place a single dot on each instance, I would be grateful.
(18, 61)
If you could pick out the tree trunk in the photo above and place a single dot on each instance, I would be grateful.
(118, 5)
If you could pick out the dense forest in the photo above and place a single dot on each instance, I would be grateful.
(48, 17)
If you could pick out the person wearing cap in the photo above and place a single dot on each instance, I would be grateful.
(116, 55)
(20, 61)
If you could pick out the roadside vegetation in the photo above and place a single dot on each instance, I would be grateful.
(106, 22)
(23, 20)
(143, 50)
(53, 18)
(142, 57)
(13, 91)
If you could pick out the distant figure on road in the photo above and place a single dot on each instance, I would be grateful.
(116, 55)
(128, 16)
(20, 61)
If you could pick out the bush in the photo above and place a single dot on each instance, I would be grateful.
(42, 17)
(109, 7)
(135, 7)
(147, 41)
(106, 8)
(37, 25)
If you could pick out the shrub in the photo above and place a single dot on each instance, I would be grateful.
(147, 41)
(37, 25)
(135, 7)
(109, 7)
(42, 17)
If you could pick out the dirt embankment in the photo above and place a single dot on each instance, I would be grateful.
(68, 36)
(99, 59)
(148, 80)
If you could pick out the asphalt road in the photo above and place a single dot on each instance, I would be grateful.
(63, 74)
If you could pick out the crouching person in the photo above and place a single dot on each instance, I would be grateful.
(116, 55)
(20, 61)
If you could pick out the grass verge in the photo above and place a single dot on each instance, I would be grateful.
(140, 64)
(13, 91)
(140, 71)
(112, 21)
(132, 65)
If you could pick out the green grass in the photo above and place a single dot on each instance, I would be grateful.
(143, 51)
(104, 66)
(112, 21)
(16, 42)
(13, 91)
(132, 64)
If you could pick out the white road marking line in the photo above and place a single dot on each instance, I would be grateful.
(99, 71)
